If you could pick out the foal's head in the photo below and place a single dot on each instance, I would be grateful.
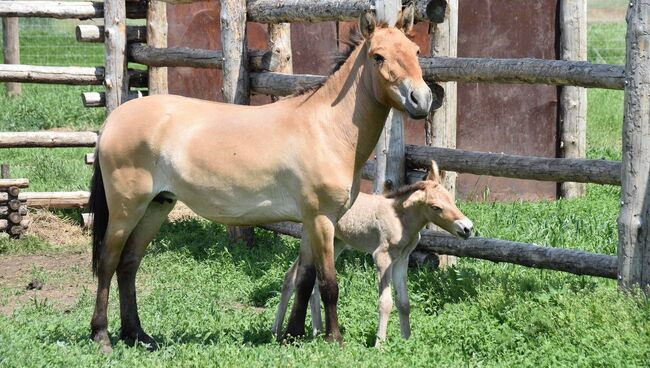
(393, 58)
(435, 204)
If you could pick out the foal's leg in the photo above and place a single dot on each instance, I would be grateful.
(288, 287)
(120, 225)
(383, 262)
(132, 255)
(400, 278)
(314, 301)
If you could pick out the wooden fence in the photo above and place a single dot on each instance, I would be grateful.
(253, 71)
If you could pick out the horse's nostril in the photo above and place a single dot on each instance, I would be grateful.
(413, 99)
(467, 230)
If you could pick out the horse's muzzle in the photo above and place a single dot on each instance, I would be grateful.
(418, 102)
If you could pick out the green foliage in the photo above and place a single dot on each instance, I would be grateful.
(211, 303)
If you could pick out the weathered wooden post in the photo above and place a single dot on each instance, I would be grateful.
(634, 220)
(235, 76)
(391, 162)
(11, 49)
(440, 126)
(157, 37)
(280, 48)
(116, 79)
(573, 100)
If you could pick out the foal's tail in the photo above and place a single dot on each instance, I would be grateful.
(99, 209)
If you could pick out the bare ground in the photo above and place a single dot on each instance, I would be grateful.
(60, 274)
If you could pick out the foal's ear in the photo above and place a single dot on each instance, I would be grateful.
(367, 24)
(407, 18)
(434, 173)
(414, 198)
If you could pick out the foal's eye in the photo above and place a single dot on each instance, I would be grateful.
(436, 208)
(378, 58)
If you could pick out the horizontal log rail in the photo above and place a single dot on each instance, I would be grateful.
(55, 199)
(94, 33)
(98, 99)
(18, 183)
(195, 58)
(72, 75)
(47, 139)
(523, 71)
(514, 166)
(441, 69)
(288, 11)
(530, 255)
(66, 9)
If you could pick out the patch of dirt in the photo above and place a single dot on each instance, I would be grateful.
(606, 15)
(61, 277)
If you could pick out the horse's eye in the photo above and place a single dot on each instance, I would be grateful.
(378, 58)
(436, 208)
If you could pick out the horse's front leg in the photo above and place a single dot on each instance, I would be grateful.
(383, 263)
(400, 278)
(303, 284)
(314, 302)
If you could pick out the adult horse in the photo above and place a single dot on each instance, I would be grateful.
(298, 159)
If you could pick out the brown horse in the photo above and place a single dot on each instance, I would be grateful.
(298, 159)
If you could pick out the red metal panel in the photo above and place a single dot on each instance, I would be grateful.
(515, 119)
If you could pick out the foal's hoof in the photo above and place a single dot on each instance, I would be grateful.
(101, 338)
(131, 339)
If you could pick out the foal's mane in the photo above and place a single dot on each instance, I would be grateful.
(406, 190)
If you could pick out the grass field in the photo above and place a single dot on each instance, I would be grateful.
(208, 302)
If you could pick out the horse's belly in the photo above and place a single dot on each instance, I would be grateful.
(244, 210)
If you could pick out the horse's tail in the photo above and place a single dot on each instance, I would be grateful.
(99, 210)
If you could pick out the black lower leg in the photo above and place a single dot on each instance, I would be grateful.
(329, 290)
(304, 286)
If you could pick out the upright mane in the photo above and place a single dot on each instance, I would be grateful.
(354, 40)
(406, 190)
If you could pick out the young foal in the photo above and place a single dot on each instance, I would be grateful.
(388, 227)
(298, 159)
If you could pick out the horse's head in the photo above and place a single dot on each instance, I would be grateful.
(436, 205)
(393, 60)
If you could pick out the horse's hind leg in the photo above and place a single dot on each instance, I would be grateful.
(120, 225)
(127, 268)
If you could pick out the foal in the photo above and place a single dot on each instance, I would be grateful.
(298, 159)
(388, 227)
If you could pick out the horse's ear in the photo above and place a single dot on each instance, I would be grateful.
(407, 18)
(367, 24)
(434, 173)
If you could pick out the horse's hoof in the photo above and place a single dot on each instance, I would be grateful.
(131, 339)
(335, 338)
(101, 338)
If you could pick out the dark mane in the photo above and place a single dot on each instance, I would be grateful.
(407, 189)
(355, 39)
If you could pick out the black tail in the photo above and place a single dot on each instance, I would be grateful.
(99, 210)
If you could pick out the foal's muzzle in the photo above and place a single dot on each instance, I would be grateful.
(463, 228)
(418, 102)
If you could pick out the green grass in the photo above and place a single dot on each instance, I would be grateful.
(208, 302)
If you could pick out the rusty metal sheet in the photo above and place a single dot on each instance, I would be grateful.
(515, 119)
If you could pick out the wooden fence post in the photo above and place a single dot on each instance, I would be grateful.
(157, 37)
(391, 162)
(634, 220)
(235, 76)
(573, 100)
(440, 126)
(116, 79)
(11, 49)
